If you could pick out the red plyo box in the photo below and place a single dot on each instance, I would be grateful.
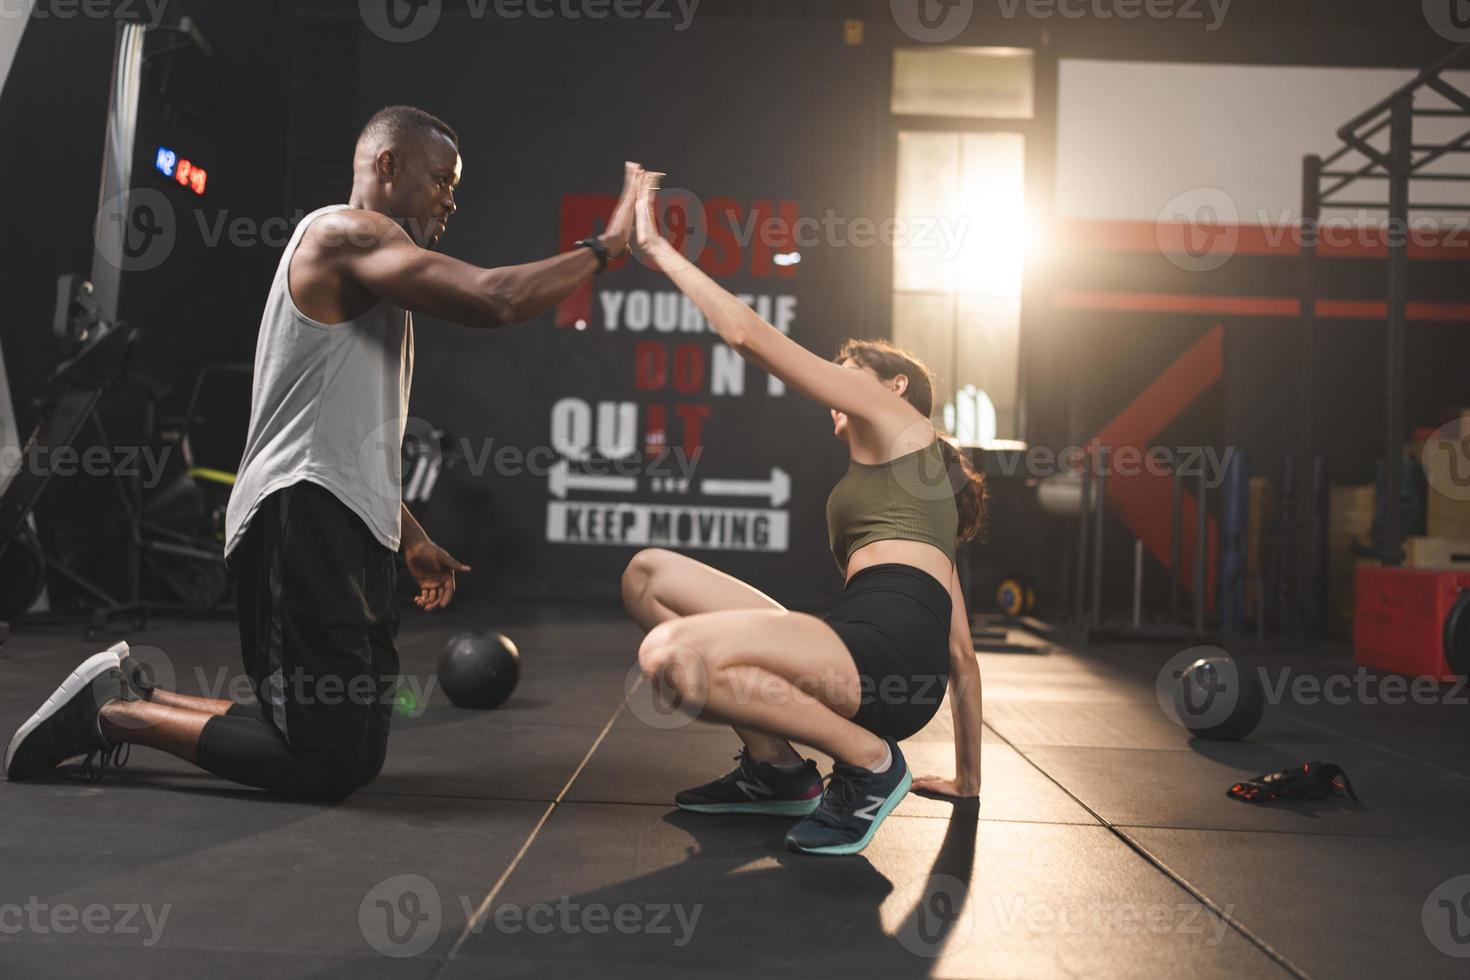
(1399, 618)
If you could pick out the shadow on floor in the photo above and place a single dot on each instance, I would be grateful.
(739, 899)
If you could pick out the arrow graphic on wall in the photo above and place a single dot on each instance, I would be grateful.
(777, 488)
(561, 479)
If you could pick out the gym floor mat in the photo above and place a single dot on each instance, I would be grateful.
(1081, 860)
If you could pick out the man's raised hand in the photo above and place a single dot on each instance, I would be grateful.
(620, 225)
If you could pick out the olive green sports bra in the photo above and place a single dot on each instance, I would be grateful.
(906, 499)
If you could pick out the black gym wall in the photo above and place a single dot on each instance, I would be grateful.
(231, 110)
(202, 303)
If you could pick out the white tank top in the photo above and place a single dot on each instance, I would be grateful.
(328, 405)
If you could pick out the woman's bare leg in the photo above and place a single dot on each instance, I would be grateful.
(781, 673)
(660, 585)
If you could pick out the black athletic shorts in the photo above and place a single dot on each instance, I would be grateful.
(894, 620)
(318, 621)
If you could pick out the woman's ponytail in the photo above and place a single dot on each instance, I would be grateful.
(970, 494)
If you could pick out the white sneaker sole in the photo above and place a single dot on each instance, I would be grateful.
(91, 668)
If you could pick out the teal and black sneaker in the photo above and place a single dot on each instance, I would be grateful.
(757, 787)
(855, 803)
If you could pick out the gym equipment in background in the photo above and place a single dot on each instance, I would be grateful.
(1016, 595)
(183, 518)
(97, 344)
(1091, 532)
(98, 356)
(1383, 163)
(1001, 570)
(171, 532)
(1234, 530)
(479, 669)
(424, 459)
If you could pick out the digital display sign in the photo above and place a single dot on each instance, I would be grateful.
(183, 172)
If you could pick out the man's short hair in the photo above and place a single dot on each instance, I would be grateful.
(398, 123)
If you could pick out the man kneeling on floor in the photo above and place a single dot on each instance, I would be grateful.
(316, 516)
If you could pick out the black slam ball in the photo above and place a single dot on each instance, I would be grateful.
(1220, 698)
(479, 669)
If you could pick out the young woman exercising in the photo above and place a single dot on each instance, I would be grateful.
(871, 672)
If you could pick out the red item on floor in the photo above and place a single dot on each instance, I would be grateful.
(1313, 780)
(1399, 619)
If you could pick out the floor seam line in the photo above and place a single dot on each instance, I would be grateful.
(1179, 881)
(1292, 833)
(476, 921)
(1185, 749)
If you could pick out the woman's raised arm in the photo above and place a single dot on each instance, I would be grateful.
(855, 393)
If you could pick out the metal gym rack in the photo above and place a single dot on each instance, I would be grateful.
(1401, 164)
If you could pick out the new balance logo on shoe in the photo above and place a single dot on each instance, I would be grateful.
(754, 788)
(870, 812)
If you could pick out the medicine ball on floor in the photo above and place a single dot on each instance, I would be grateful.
(1217, 697)
(479, 669)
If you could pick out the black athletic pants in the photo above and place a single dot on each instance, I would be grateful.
(318, 619)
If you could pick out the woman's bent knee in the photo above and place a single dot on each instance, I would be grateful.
(638, 575)
(666, 657)
(659, 648)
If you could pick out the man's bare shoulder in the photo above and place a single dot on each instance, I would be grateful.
(352, 230)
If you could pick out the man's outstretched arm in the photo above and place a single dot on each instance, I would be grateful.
(386, 261)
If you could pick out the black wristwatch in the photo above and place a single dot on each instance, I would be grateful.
(598, 249)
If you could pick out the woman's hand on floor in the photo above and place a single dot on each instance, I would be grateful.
(949, 788)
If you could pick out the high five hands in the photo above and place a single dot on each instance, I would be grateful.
(620, 224)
